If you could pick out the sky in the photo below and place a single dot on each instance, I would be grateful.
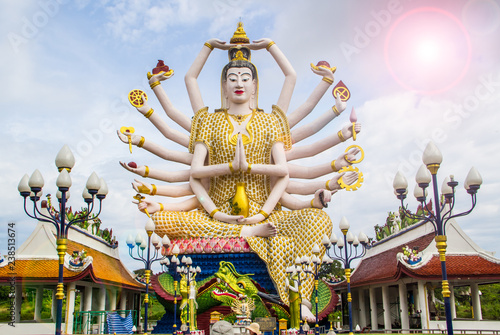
(417, 71)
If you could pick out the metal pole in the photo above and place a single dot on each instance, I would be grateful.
(441, 246)
(316, 289)
(62, 244)
(146, 274)
(347, 271)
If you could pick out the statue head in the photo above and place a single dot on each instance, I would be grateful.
(239, 58)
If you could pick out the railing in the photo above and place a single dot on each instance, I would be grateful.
(95, 322)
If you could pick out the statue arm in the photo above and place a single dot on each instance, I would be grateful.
(153, 206)
(171, 155)
(296, 187)
(311, 172)
(322, 145)
(312, 128)
(168, 176)
(294, 203)
(294, 287)
(170, 133)
(177, 116)
(286, 68)
(303, 110)
(200, 153)
(191, 77)
(200, 170)
(278, 169)
(165, 190)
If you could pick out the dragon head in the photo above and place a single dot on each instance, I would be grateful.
(232, 285)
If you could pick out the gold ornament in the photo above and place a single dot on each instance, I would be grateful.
(239, 36)
(358, 160)
(239, 118)
(355, 186)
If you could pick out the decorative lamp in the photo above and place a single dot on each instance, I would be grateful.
(63, 181)
(340, 243)
(24, 187)
(165, 241)
(432, 156)
(59, 194)
(400, 184)
(93, 183)
(350, 237)
(333, 238)
(155, 240)
(103, 190)
(355, 242)
(36, 181)
(363, 239)
(473, 179)
(138, 240)
(446, 190)
(65, 159)
(150, 226)
(326, 241)
(423, 177)
(176, 250)
(316, 249)
(419, 193)
(344, 224)
(130, 241)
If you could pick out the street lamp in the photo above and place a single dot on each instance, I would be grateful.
(190, 272)
(432, 159)
(332, 244)
(147, 260)
(32, 187)
(302, 268)
(175, 262)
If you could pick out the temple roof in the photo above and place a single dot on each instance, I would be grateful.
(37, 261)
(465, 260)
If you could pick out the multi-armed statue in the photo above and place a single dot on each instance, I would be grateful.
(238, 161)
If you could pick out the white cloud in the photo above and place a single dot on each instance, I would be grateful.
(69, 79)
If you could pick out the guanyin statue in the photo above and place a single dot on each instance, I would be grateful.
(238, 162)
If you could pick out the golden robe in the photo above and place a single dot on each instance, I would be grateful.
(298, 230)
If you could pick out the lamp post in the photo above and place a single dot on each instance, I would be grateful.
(432, 159)
(175, 262)
(303, 269)
(148, 260)
(335, 246)
(190, 273)
(32, 187)
(317, 264)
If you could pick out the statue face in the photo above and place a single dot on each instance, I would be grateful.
(239, 85)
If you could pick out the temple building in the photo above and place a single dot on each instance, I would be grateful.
(393, 286)
(92, 269)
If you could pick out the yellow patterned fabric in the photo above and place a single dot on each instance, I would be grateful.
(298, 230)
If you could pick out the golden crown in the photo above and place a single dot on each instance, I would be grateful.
(239, 52)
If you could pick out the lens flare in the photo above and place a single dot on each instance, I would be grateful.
(427, 50)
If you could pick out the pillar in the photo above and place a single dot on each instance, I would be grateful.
(386, 303)
(38, 304)
(362, 308)
(373, 308)
(403, 303)
(123, 301)
(452, 303)
(476, 302)
(423, 307)
(101, 307)
(18, 300)
(87, 306)
(70, 307)
(53, 309)
(112, 299)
